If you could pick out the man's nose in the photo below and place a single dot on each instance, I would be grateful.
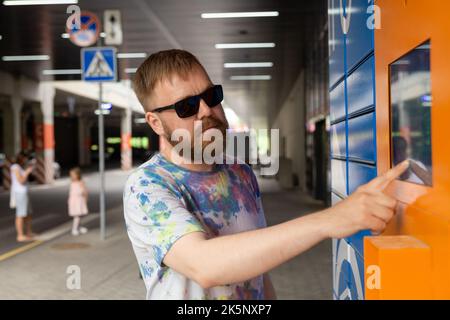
(204, 110)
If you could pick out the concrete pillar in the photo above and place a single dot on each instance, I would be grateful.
(16, 105)
(7, 136)
(47, 105)
(84, 141)
(81, 138)
(126, 151)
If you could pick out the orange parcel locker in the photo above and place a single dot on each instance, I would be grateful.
(412, 63)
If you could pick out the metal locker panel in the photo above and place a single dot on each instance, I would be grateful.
(359, 174)
(360, 87)
(361, 138)
(338, 139)
(359, 40)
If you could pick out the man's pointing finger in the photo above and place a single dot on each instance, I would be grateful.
(382, 182)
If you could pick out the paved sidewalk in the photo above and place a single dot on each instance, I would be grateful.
(308, 276)
(109, 269)
(49, 203)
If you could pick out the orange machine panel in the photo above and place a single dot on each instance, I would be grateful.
(424, 211)
(404, 264)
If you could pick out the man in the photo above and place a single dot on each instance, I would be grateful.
(198, 230)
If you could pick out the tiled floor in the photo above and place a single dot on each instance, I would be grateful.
(308, 276)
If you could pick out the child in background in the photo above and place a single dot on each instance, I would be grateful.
(77, 201)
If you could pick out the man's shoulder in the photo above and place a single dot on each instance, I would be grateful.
(150, 173)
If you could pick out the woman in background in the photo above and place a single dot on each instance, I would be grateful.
(20, 199)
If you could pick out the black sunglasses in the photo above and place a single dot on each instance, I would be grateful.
(189, 106)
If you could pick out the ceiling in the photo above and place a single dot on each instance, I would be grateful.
(153, 25)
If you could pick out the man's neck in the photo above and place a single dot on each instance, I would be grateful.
(166, 150)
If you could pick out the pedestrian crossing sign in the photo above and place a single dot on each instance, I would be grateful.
(99, 64)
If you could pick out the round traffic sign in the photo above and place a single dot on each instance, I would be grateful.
(88, 31)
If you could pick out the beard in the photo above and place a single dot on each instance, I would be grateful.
(206, 124)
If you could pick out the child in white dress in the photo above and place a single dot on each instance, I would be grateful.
(77, 201)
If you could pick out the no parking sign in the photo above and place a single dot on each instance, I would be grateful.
(85, 31)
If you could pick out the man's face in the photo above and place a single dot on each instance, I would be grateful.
(176, 88)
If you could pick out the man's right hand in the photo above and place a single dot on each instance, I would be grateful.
(368, 208)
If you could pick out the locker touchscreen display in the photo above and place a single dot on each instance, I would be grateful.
(411, 100)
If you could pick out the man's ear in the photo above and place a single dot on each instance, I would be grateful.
(154, 122)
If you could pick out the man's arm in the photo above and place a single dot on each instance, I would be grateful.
(242, 256)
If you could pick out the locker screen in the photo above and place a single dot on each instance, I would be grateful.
(411, 100)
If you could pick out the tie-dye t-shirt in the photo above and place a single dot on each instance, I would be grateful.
(163, 202)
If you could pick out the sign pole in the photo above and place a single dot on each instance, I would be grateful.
(101, 158)
(101, 162)
(99, 64)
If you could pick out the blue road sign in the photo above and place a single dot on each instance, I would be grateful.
(106, 106)
(99, 64)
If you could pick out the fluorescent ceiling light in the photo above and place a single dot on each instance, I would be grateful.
(130, 70)
(248, 65)
(253, 77)
(37, 2)
(245, 45)
(67, 36)
(219, 15)
(131, 55)
(61, 72)
(26, 58)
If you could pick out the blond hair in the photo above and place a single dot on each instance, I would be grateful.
(161, 66)
(77, 172)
